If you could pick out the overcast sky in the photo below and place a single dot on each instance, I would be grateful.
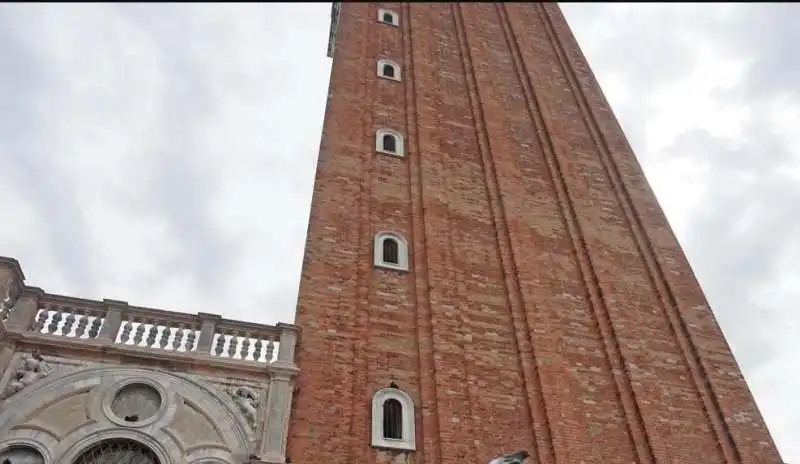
(164, 155)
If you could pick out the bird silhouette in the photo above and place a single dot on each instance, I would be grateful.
(514, 458)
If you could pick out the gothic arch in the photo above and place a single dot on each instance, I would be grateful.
(36, 416)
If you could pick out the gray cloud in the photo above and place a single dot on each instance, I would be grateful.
(165, 154)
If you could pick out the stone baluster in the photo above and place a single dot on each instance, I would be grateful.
(25, 310)
(188, 344)
(177, 340)
(83, 323)
(270, 348)
(207, 329)
(138, 335)
(233, 345)
(152, 333)
(257, 350)
(245, 347)
(115, 312)
(163, 339)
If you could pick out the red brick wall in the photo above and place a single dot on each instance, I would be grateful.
(548, 304)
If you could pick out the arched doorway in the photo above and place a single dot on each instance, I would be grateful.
(117, 452)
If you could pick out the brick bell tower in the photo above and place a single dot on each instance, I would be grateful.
(487, 269)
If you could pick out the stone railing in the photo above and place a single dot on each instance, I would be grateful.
(30, 310)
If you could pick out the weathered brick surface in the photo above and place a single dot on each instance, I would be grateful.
(548, 304)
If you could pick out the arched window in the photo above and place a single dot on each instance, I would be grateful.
(389, 70)
(389, 142)
(388, 17)
(21, 455)
(393, 419)
(117, 451)
(391, 252)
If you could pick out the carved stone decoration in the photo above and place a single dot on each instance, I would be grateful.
(248, 402)
(68, 413)
(21, 455)
(136, 402)
(31, 369)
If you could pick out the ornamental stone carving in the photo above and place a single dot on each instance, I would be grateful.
(31, 369)
(248, 402)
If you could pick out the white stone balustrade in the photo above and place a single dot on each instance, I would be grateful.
(116, 322)
(30, 310)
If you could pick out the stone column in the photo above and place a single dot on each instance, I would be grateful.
(272, 449)
(24, 313)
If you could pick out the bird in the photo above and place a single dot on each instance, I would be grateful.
(514, 458)
(132, 418)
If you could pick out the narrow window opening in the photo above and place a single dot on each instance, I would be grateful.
(391, 252)
(388, 18)
(388, 70)
(392, 419)
(389, 143)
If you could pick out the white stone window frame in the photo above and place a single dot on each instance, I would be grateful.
(402, 251)
(397, 71)
(395, 17)
(399, 145)
(409, 441)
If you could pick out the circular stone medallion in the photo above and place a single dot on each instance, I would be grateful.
(136, 402)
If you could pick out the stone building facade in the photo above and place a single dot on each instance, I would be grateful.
(97, 382)
(486, 267)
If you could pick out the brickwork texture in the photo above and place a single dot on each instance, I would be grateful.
(548, 305)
